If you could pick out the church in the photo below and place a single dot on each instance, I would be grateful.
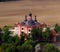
(27, 24)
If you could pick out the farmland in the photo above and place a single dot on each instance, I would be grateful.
(47, 11)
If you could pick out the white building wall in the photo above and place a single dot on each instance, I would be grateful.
(15, 31)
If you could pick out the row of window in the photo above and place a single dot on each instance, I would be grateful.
(29, 31)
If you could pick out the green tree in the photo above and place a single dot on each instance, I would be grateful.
(6, 33)
(46, 34)
(4, 46)
(16, 40)
(36, 33)
(40, 34)
(11, 49)
(27, 46)
(50, 48)
(22, 38)
(10, 40)
(1, 36)
(57, 28)
(19, 48)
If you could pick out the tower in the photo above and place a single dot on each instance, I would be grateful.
(35, 19)
(25, 17)
(30, 16)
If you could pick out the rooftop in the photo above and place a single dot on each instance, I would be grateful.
(29, 21)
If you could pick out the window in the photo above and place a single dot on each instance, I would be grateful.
(22, 30)
(29, 31)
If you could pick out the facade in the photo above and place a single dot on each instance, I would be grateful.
(27, 25)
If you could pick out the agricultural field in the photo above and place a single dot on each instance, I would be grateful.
(47, 11)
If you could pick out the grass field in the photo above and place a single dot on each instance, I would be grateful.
(47, 11)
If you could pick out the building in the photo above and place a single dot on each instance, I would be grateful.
(27, 25)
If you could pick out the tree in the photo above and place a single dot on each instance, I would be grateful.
(19, 48)
(46, 34)
(6, 33)
(22, 38)
(36, 33)
(11, 49)
(50, 48)
(1, 36)
(57, 28)
(1, 50)
(4, 46)
(40, 34)
(27, 46)
(16, 40)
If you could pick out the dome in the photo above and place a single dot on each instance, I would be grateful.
(30, 23)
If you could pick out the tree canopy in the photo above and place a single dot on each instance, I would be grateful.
(19, 44)
(50, 48)
(57, 28)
